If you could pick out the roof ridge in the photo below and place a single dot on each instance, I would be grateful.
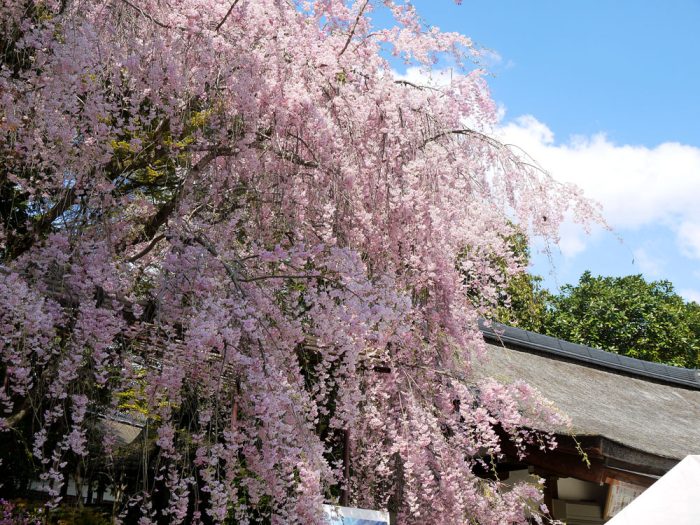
(526, 339)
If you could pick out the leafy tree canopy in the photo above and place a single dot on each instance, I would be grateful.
(522, 301)
(627, 315)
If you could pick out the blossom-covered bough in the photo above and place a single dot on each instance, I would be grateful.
(229, 220)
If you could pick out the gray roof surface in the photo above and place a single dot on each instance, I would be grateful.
(551, 345)
(123, 433)
(660, 418)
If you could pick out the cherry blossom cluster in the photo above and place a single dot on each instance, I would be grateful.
(229, 223)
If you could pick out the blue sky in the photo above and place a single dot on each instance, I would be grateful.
(605, 94)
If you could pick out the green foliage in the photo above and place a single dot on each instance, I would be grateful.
(523, 302)
(627, 315)
(24, 512)
(527, 302)
(79, 516)
(15, 211)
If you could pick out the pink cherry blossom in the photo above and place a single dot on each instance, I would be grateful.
(232, 226)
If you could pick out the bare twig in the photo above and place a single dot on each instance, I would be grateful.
(147, 249)
(354, 27)
(280, 276)
(149, 16)
(417, 86)
(161, 216)
(228, 13)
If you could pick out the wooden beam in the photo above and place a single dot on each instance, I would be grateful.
(563, 465)
(622, 457)
(606, 459)
(635, 478)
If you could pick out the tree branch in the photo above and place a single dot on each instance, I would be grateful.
(161, 216)
(27, 240)
(229, 270)
(63, 203)
(354, 27)
(228, 13)
(280, 276)
(466, 132)
(147, 249)
(150, 17)
(13, 420)
(285, 154)
(411, 84)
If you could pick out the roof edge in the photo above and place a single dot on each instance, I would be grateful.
(545, 344)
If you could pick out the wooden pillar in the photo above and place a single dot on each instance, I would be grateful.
(345, 491)
(100, 490)
(88, 497)
(550, 492)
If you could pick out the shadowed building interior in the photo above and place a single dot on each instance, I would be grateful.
(633, 419)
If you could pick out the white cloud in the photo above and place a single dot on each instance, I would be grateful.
(649, 265)
(637, 186)
(490, 58)
(422, 77)
(689, 238)
(690, 295)
(572, 240)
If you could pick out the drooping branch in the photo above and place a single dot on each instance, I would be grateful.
(232, 273)
(147, 249)
(291, 156)
(465, 132)
(281, 277)
(149, 16)
(64, 202)
(228, 13)
(157, 220)
(354, 27)
(417, 86)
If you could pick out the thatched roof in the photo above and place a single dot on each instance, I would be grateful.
(656, 413)
(121, 432)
